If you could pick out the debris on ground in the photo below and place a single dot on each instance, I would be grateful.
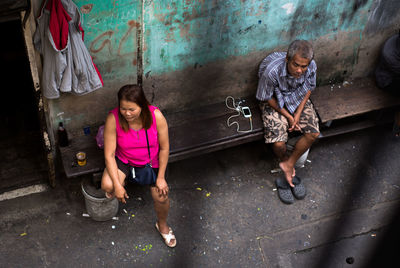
(23, 234)
(198, 189)
(346, 83)
(275, 170)
(208, 194)
(113, 226)
(146, 248)
(115, 218)
(126, 212)
(85, 215)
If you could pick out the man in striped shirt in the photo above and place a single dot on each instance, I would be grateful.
(286, 80)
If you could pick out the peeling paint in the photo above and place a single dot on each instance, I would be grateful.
(46, 141)
(204, 31)
(40, 105)
(110, 35)
(85, 9)
(289, 7)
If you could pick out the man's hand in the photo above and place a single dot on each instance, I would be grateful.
(120, 193)
(162, 186)
(294, 123)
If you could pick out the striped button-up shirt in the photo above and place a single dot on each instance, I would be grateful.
(274, 79)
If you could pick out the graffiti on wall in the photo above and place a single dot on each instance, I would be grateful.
(111, 36)
(105, 40)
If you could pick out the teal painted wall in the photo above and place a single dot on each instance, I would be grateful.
(180, 34)
(196, 52)
(110, 35)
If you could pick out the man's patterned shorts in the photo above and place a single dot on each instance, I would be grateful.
(276, 125)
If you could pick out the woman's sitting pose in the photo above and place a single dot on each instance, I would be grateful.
(135, 134)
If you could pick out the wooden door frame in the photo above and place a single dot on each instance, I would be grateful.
(42, 103)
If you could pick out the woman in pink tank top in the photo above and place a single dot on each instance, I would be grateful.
(125, 146)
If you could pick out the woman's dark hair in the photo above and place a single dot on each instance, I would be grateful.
(134, 93)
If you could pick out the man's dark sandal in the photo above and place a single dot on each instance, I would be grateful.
(284, 192)
(299, 191)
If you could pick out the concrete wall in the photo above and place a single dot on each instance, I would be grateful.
(197, 52)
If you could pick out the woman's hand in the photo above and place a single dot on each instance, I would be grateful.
(162, 186)
(120, 193)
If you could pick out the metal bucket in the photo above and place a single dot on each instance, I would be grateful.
(100, 209)
(303, 158)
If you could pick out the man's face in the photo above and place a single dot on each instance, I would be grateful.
(297, 66)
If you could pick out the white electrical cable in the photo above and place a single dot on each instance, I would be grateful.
(238, 109)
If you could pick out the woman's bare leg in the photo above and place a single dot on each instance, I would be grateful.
(108, 185)
(161, 206)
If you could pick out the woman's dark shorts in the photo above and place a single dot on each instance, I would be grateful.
(126, 169)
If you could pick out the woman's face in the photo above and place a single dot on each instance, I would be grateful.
(129, 110)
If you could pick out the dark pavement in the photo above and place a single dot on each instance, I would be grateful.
(224, 212)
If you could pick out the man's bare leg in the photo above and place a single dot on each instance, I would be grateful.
(302, 145)
(279, 149)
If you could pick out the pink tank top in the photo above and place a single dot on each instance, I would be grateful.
(132, 145)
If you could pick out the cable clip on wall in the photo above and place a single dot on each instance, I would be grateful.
(241, 110)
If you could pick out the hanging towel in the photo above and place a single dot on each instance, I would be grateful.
(67, 64)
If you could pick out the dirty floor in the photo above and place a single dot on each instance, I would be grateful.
(224, 212)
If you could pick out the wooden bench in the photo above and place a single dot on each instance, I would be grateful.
(191, 133)
(340, 102)
(205, 129)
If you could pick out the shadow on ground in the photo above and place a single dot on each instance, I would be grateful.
(224, 212)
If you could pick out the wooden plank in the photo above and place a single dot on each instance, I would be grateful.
(205, 112)
(360, 97)
(253, 136)
(94, 156)
(210, 131)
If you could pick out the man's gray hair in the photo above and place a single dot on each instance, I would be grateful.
(301, 47)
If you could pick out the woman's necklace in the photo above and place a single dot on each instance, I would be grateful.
(136, 131)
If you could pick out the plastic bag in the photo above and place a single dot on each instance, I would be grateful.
(100, 137)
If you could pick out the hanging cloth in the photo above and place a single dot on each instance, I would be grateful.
(67, 64)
